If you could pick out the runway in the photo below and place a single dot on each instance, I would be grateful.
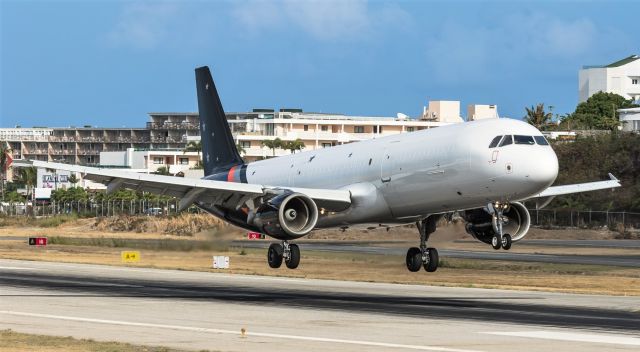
(196, 310)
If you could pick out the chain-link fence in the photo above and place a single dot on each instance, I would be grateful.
(93, 208)
(614, 220)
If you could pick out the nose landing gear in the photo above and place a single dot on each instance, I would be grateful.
(424, 256)
(500, 239)
(290, 253)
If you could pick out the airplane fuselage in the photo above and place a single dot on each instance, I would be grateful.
(401, 178)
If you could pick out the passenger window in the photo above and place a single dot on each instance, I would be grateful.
(506, 141)
(524, 140)
(495, 141)
(541, 140)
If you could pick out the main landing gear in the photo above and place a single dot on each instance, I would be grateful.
(500, 239)
(423, 256)
(290, 253)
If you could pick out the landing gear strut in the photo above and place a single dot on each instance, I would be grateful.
(277, 252)
(500, 239)
(423, 256)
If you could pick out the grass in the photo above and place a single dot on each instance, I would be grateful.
(164, 244)
(11, 341)
(48, 222)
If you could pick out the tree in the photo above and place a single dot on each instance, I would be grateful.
(162, 170)
(293, 146)
(73, 180)
(4, 161)
(194, 146)
(240, 149)
(28, 177)
(600, 111)
(273, 144)
(539, 118)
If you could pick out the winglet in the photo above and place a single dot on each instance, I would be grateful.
(613, 178)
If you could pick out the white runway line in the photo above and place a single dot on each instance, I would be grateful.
(13, 268)
(570, 336)
(237, 333)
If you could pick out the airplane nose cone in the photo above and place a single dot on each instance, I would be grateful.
(543, 168)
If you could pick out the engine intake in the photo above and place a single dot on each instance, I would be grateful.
(287, 216)
(480, 223)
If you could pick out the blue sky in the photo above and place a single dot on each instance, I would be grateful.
(107, 64)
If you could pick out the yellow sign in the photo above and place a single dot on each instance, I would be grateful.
(130, 256)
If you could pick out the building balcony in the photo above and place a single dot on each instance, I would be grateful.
(62, 139)
(88, 152)
(173, 126)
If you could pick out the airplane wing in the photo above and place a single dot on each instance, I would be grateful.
(188, 190)
(543, 198)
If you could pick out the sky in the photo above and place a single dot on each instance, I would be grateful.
(109, 63)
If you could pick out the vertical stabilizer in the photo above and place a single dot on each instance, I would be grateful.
(219, 151)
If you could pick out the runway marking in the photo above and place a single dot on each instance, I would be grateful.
(570, 336)
(13, 268)
(234, 332)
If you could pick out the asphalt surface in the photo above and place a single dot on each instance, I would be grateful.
(197, 310)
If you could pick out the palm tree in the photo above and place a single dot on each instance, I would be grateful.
(28, 177)
(194, 146)
(539, 118)
(240, 149)
(4, 161)
(292, 146)
(73, 179)
(273, 144)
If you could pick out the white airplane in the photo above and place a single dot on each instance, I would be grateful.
(483, 170)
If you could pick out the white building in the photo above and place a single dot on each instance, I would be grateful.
(621, 77)
(630, 119)
(481, 112)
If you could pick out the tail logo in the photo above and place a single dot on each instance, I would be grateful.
(206, 86)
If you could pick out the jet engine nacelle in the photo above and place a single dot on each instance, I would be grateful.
(481, 225)
(287, 216)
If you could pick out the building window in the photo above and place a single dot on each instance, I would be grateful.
(411, 129)
(327, 145)
(375, 129)
(324, 128)
(158, 160)
(358, 129)
(306, 127)
(245, 144)
(184, 161)
(634, 81)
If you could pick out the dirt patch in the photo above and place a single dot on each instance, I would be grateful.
(11, 341)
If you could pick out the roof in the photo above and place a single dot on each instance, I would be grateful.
(618, 63)
(624, 61)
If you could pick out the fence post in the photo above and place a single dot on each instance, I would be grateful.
(608, 219)
(623, 227)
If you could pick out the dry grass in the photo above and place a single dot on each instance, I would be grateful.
(181, 225)
(362, 267)
(11, 341)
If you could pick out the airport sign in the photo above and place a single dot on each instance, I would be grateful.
(37, 241)
(255, 235)
(130, 256)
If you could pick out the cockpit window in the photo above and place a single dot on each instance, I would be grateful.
(524, 140)
(495, 141)
(506, 141)
(541, 140)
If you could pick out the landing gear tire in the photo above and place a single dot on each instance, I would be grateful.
(506, 242)
(431, 264)
(274, 255)
(414, 259)
(294, 257)
(496, 243)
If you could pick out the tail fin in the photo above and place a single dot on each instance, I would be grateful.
(218, 148)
